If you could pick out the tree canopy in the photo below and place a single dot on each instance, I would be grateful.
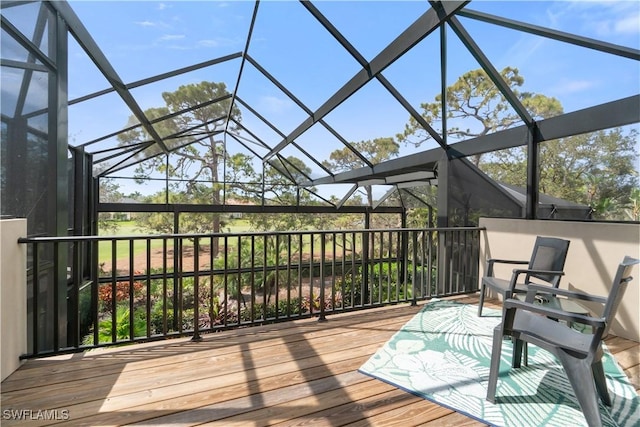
(475, 107)
(595, 169)
(200, 169)
(374, 151)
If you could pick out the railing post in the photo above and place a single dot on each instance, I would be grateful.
(56, 296)
(177, 252)
(414, 240)
(225, 282)
(322, 317)
(148, 288)
(240, 296)
(132, 332)
(95, 289)
(365, 266)
(36, 296)
(73, 329)
(196, 290)
(253, 278)
(179, 285)
(114, 284)
(417, 262)
(165, 327)
(276, 284)
(266, 288)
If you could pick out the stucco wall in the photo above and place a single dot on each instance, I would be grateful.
(13, 294)
(595, 251)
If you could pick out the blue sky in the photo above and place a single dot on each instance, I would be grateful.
(146, 38)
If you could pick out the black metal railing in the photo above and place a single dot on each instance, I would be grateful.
(126, 289)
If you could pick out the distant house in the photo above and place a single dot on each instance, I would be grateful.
(236, 202)
(122, 216)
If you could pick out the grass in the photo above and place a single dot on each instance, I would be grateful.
(131, 228)
(124, 228)
(238, 226)
(123, 249)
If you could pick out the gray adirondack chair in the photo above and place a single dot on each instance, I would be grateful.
(579, 353)
(546, 265)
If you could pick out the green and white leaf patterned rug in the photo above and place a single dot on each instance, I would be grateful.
(443, 355)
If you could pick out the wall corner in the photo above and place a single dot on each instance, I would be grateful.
(13, 295)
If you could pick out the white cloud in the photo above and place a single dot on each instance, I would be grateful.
(274, 104)
(146, 23)
(208, 43)
(628, 25)
(524, 50)
(218, 42)
(152, 24)
(172, 37)
(573, 86)
(600, 18)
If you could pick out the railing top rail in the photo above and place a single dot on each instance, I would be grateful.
(62, 239)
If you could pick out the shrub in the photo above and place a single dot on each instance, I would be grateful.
(122, 326)
(105, 292)
(283, 309)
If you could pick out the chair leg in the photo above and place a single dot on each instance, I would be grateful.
(601, 383)
(482, 290)
(494, 369)
(518, 347)
(580, 376)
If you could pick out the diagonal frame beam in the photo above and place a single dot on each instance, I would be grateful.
(307, 110)
(562, 36)
(421, 28)
(242, 62)
(364, 64)
(84, 39)
(613, 114)
(279, 132)
(162, 118)
(41, 21)
(26, 43)
(491, 71)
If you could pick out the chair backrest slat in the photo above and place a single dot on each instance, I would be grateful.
(549, 253)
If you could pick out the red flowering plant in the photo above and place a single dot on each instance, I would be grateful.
(105, 292)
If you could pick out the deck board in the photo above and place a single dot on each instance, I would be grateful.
(287, 374)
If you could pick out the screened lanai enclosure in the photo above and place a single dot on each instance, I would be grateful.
(186, 167)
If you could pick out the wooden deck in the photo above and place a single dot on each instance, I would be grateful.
(297, 373)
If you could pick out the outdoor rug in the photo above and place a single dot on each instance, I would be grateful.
(443, 355)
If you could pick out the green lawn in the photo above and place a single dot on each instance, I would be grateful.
(124, 228)
(131, 228)
(238, 226)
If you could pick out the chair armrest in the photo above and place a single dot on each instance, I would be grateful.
(553, 313)
(518, 271)
(491, 261)
(505, 261)
(567, 293)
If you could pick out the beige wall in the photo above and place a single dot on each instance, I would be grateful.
(595, 251)
(13, 294)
